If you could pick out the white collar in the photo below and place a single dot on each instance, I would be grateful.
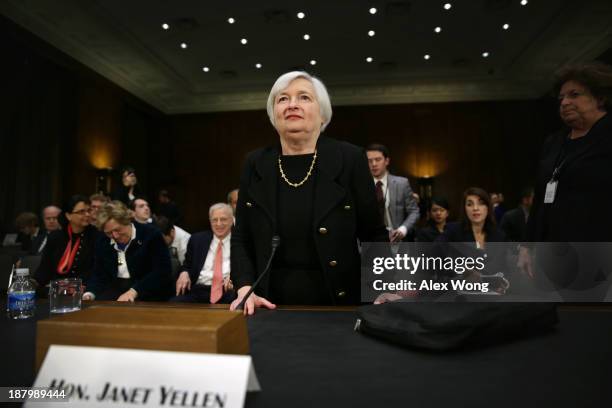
(225, 240)
(383, 179)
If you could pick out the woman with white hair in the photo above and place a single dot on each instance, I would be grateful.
(131, 263)
(315, 194)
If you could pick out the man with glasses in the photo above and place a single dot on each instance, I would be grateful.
(204, 275)
(97, 202)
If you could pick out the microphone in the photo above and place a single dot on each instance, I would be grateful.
(275, 245)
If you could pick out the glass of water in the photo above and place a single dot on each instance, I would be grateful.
(65, 295)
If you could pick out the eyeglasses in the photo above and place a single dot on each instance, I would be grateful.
(219, 220)
(82, 212)
(570, 95)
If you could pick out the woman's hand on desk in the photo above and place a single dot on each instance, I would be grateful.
(252, 302)
(128, 296)
(183, 282)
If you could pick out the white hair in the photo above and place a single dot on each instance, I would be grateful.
(219, 206)
(321, 94)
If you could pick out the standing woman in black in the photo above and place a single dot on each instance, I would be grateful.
(313, 192)
(574, 176)
(69, 252)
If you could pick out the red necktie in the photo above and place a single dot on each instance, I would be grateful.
(216, 289)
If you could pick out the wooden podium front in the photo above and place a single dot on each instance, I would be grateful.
(198, 330)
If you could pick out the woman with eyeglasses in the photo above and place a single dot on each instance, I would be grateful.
(69, 252)
(573, 179)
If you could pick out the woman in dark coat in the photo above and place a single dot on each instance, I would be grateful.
(314, 193)
(573, 178)
(69, 252)
(132, 260)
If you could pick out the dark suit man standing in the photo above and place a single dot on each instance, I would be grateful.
(514, 222)
(205, 272)
(396, 204)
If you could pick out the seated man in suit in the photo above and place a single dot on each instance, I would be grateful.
(131, 262)
(232, 199)
(514, 222)
(205, 272)
(29, 233)
(140, 210)
(176, 238)
(396, 202)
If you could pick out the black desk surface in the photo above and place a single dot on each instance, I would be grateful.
(315, 359)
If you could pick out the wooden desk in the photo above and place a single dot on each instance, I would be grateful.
(148, 327)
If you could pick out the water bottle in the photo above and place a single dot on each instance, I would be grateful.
(21, 296)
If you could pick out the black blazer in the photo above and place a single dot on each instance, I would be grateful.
(148, 261)
(465, 246)
(197, 249)
(38, 240)
(54, 250)
(583, 194)
(429, 232)
(345, 210)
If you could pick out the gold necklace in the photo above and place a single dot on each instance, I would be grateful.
(296, 185)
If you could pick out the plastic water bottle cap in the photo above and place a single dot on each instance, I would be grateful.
(22, 272)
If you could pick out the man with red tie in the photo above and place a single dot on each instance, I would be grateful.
(204, 276)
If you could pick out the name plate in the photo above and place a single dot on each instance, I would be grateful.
(112, 377)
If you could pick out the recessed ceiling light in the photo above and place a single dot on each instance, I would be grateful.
(205, 69)
(373, 10)
(524, 2)
(231, 20)
(371, 33)
(485, 54)
(306, 37)
(448, 6)
(313, 62)
(426, 56)
(438, 29)
(258, 65)
(506, 26)
(301, 15)
(243, 41)
(165, 26)
(183, 45)
(369, 59)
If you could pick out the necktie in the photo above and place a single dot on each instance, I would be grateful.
(216, 289)
(380, 197)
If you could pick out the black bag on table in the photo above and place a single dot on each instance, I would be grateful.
(445, 326)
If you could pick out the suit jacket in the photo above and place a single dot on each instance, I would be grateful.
(197, 250)
(403, 209)
(345, 210)
(583, 192)
(514, 225)
(148, 261)
(37, 241)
